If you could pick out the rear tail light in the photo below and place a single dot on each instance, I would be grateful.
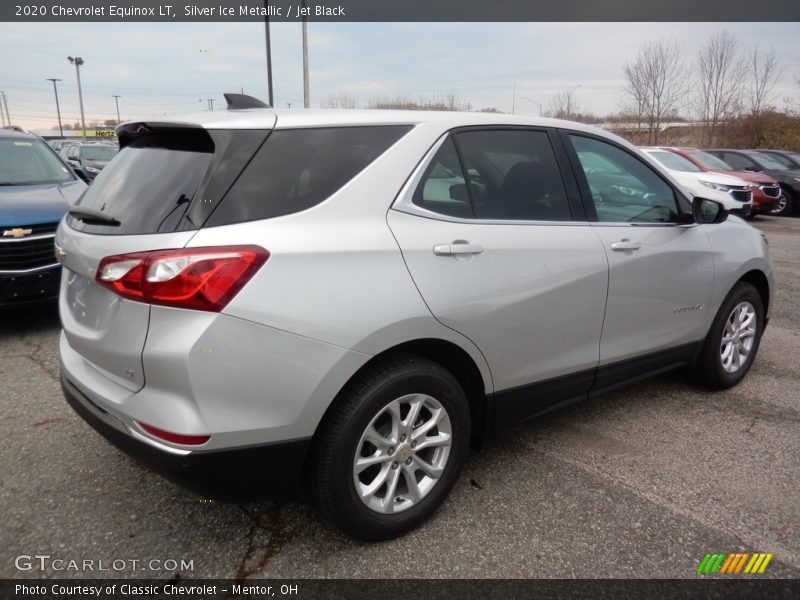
(195, 278)
(175, 438)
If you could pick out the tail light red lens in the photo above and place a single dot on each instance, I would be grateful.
(195, 278)
(175, 438)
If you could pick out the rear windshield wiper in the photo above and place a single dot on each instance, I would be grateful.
(91, 216)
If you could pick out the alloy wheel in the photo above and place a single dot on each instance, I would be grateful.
(738, 337)
(402, 453)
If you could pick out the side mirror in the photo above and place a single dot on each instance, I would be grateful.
(707, 212)
(752, 168)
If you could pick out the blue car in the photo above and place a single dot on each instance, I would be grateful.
(36, 188)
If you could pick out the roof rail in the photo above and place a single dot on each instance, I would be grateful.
(241, 101)
(14, 128)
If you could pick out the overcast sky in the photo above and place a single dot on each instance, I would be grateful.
(168, 68)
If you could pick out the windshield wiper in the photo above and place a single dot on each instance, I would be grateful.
(91, 216)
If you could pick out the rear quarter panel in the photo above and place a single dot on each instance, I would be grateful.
(335, 272)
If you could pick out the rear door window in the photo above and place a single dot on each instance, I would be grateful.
(508, 174)
(513, 175)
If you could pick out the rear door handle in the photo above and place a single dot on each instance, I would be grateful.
(625, 245)
(456, 249)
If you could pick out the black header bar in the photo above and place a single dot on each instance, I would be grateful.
(401, 10)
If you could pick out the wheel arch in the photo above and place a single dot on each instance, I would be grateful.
(758, 280)
(453, 358)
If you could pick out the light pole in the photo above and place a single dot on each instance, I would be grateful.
(78, 61)
(58, 109)
(2, 114)
(116, 101)
(514, 99)
(269, 53)
(306, 95)
(539, 104)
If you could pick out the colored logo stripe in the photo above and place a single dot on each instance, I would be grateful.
(734, 563)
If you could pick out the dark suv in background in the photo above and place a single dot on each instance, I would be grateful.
(761, 162)
(90, 158)
(787, 157)
(36, 188)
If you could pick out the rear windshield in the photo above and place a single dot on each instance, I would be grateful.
(28, 162)
(182, 180)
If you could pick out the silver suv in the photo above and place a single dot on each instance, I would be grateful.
(350, 298)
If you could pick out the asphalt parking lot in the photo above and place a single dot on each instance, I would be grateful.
(640, 483)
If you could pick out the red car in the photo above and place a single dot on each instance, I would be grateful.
(766, 191)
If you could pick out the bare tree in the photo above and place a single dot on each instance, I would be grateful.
(341, 100)
(443, 101)
(718, 91)
(635, 102)
(563, 104)
(764, 69)
(656, 83)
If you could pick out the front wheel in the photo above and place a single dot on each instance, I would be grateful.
(731, 345)
(391, 448)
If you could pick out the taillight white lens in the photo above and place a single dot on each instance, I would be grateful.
(196, 278)
(117, 270)
(166, 268)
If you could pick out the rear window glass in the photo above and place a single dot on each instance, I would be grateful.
(167, 181)
(176, 180)
(299, 168)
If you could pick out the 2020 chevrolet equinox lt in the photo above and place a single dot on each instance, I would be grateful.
(349, 298)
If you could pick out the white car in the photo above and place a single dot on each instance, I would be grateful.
(735, 194)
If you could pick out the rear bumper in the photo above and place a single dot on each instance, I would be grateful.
(271, 470)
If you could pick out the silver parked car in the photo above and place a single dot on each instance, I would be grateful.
(351, 297)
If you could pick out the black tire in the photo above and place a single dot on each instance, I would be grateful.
(709, 369)
(784, 205)
(330, 477)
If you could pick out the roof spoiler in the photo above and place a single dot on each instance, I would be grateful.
(242, 101)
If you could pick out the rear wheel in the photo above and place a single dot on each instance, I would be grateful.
(731, 345)
(388, 453)
(784, 205)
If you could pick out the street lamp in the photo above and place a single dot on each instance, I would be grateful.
(3, 114)
(78, 61)
(539, 104)
(306, 95)
(58, 109)
(116, 101)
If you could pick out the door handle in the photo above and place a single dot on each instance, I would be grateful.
(456, 249)
(625, 245)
